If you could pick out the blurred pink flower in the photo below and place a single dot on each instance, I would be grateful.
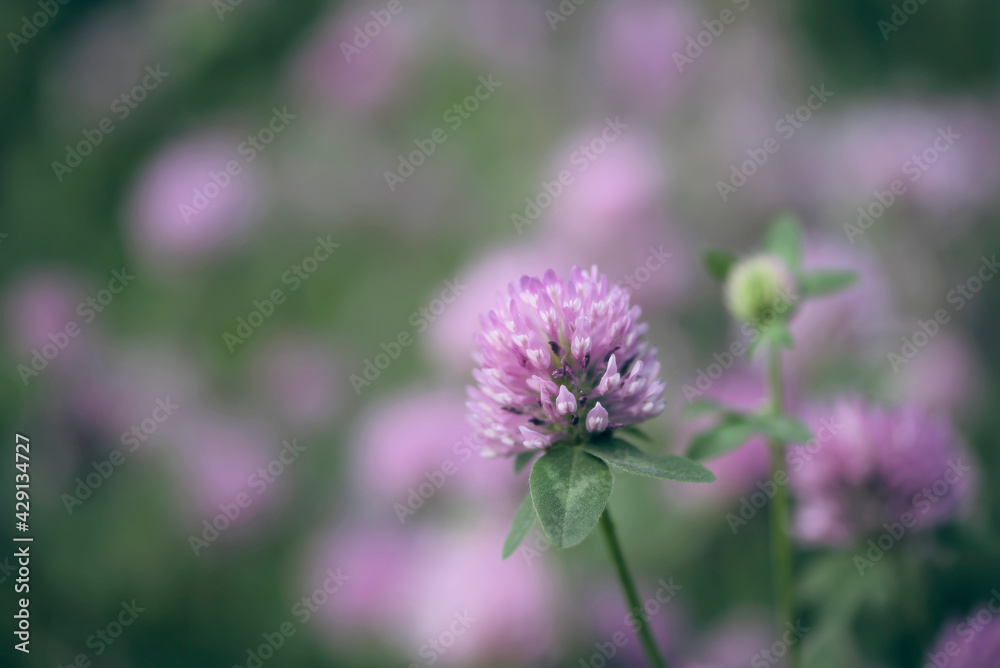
(874, 466)
(612, 214)
(969, 644)
(402, 437)
(39, 305)
(946, 155)
(733, 644)
(944, 375)
(508, 607)
(185, 205)
(635, 47)
(617, 179)
(354, 61)
(383, 567)
(217, 455)
(421, 437)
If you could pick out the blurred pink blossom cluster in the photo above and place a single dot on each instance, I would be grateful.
(879, 467)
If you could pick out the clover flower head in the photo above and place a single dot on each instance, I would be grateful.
(961, 649)
(561, 360)
(873, 466)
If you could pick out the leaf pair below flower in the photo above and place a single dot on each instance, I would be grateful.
(570, 487)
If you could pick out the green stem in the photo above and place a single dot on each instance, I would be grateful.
(781, 544)
(631, 594)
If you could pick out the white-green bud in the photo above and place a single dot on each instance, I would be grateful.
(759, 288)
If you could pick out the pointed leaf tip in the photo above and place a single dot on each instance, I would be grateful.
(524, 519)
(784, 239)
(626, 457)
(825, 282)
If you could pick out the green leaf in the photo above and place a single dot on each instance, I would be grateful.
(522, 459)
(569, 489)
(628, 458)
(718, 263)
(735, 429)
(824, 282)
(524, 519)
(728, 435)
(784, 239)
(782, 428)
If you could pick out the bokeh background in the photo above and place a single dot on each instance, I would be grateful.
(199, 380)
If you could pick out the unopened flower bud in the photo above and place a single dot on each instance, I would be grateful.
(758, 289)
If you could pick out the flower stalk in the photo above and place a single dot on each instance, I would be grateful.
(781, 544)
(631, 593)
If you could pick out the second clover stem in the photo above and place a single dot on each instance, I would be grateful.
(781, 545)
(631, 594)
